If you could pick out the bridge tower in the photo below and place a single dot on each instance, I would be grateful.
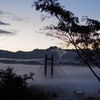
(51, 65)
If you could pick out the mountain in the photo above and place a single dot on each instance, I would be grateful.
(40, 54)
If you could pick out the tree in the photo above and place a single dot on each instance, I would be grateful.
(85, 38)
(15, 87)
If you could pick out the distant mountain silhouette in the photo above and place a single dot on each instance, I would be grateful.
(38, 54)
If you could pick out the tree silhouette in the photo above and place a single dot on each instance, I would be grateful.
(84, 37)
(15, 87)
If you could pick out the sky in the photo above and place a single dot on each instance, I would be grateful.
(20, 23)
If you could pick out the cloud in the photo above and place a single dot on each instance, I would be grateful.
(12, 16)
(19, 18)
(4, 12)
(3, 23)
(5, 32)
(1, 12)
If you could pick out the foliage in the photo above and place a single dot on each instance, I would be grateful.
(90, 98)
(15, 87)
(84, 37)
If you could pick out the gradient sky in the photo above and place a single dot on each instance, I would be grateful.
(19, 23)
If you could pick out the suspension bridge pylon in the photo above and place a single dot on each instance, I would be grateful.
(46, 65)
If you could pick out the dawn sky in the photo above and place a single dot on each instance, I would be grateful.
(21, 23)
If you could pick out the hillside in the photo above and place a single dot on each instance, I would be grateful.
(39, 54)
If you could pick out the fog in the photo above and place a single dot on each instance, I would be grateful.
(66, 77)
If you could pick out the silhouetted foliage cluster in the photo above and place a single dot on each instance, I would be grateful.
(91, 98)
(15, 87)
(69, 29)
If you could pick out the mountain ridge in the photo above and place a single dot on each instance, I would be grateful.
(37, 53)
